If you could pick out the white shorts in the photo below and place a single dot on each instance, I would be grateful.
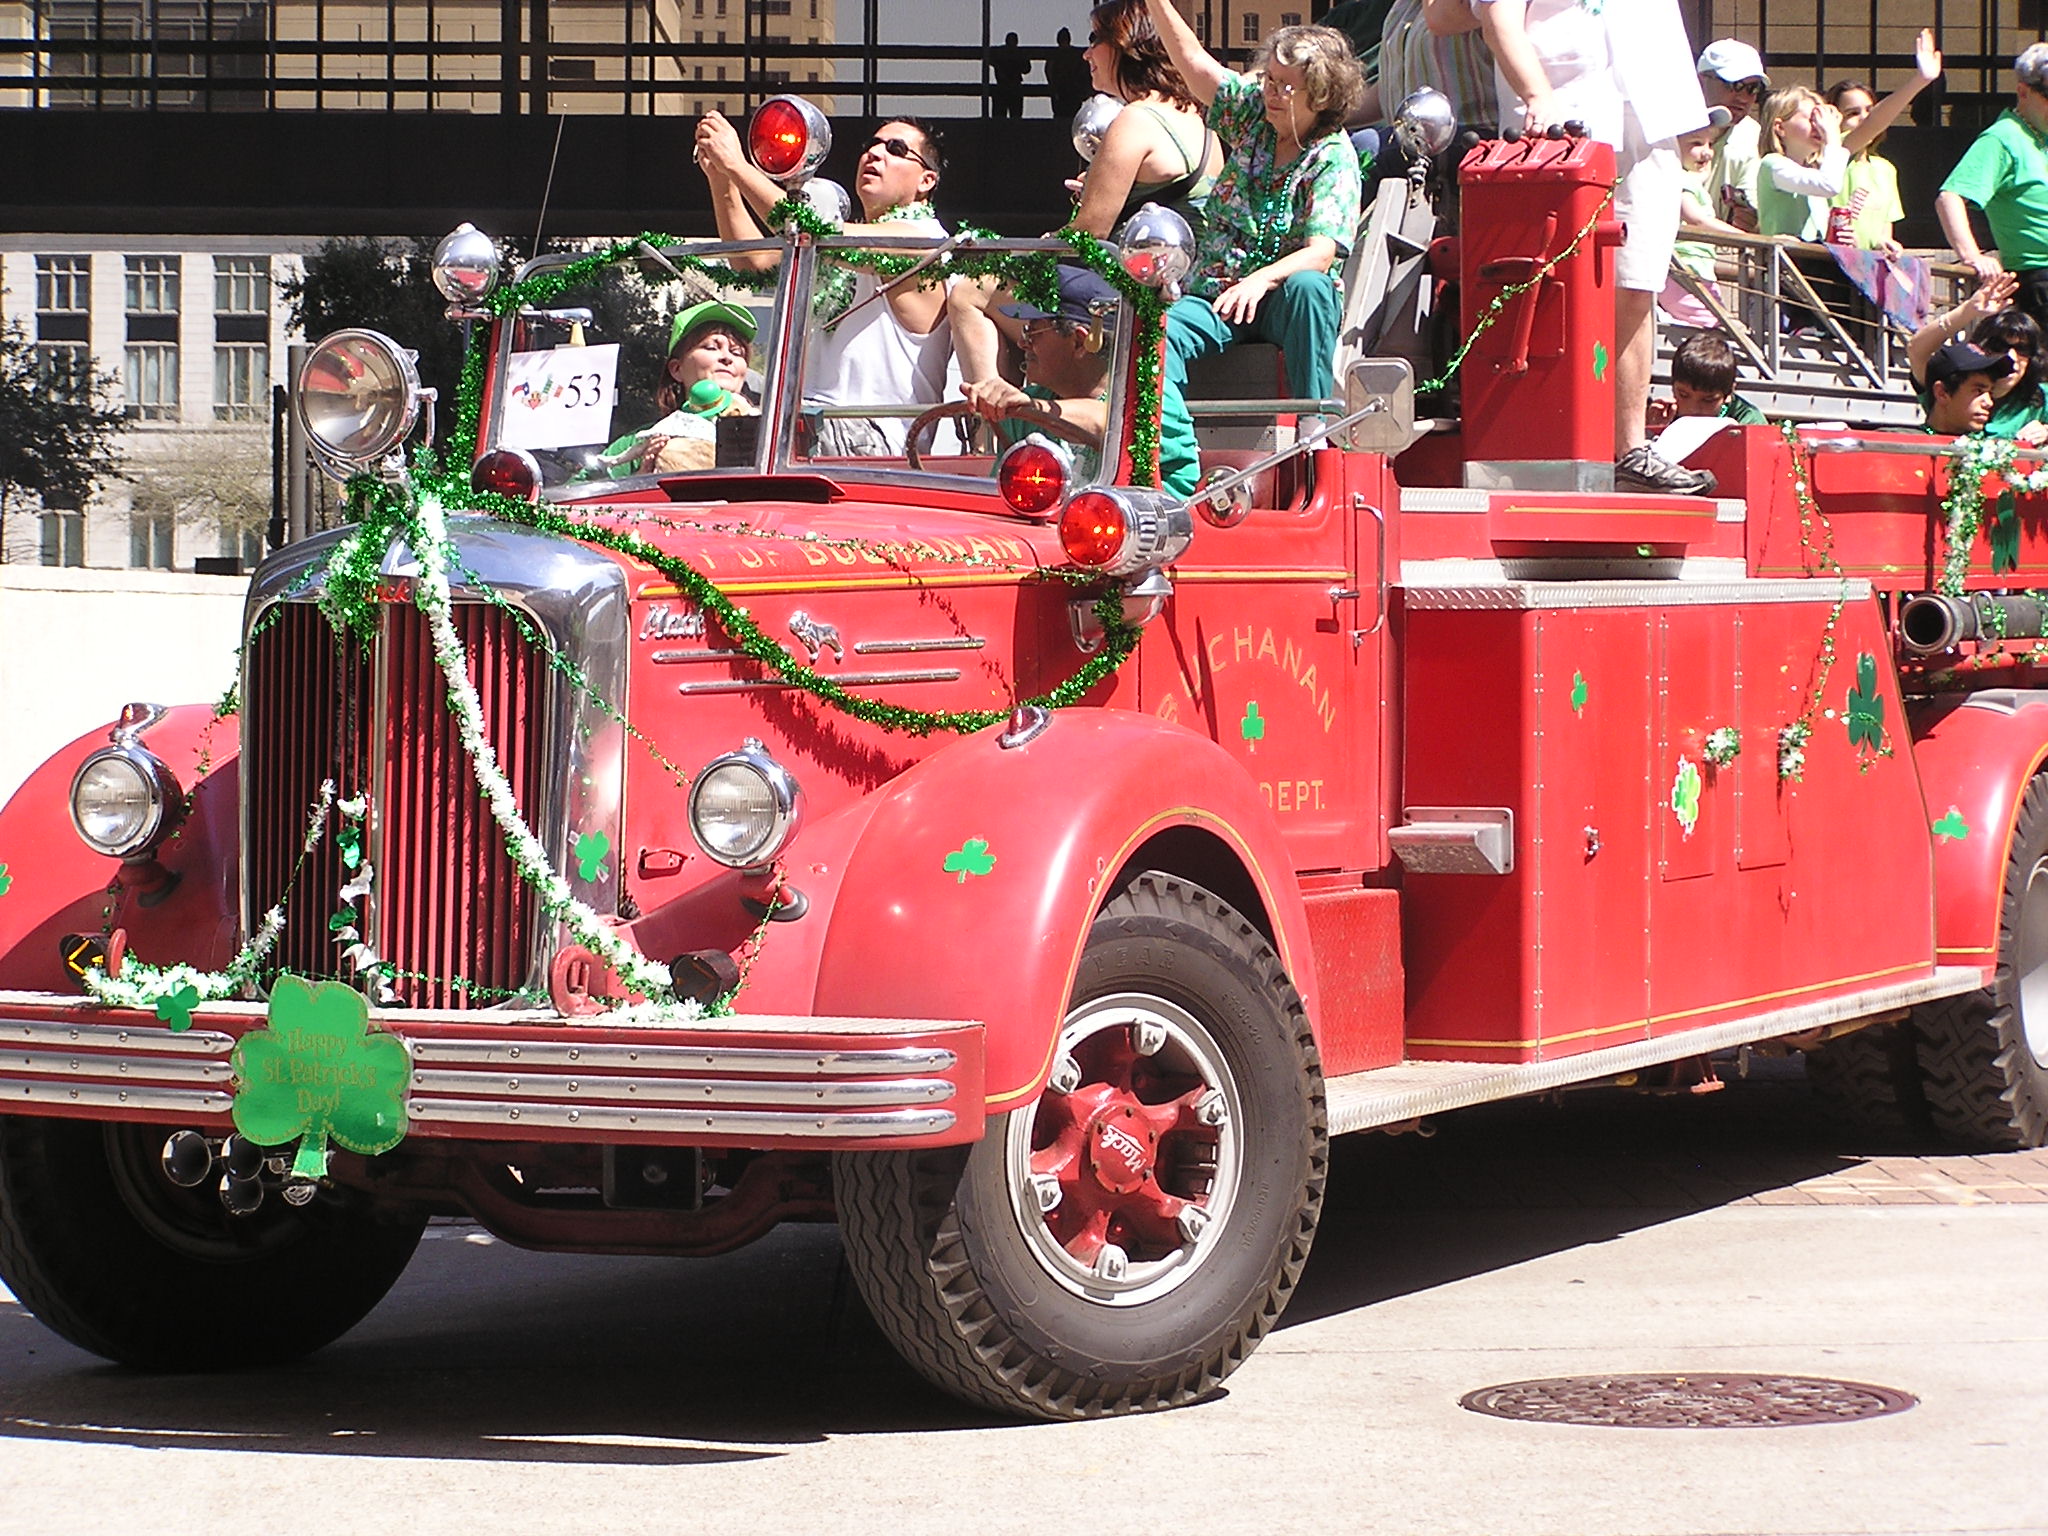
(1646, 195)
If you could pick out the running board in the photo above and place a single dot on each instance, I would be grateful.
(1362, 1101)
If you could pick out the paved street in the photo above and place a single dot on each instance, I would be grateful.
(497, 1391)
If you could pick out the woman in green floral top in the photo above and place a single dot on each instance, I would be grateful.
(1284, 209)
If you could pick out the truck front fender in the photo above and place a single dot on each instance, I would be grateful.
(971, 891)
(1975, 758)
(52, 885)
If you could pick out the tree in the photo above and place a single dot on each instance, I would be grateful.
(57, 429)
(384, 285)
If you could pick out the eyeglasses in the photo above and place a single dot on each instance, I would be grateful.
(1278, 88)
(898, 148)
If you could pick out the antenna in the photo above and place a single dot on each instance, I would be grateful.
(546, 191)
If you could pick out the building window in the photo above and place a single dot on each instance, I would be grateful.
(697, 9)
(244, 542)
(241, 381)
(149, 540)
(721, 11)
(1290, 18)
(63, 285)
(1251, 33)
(153, 285)
(64, 369)
(814, 10)
(63, 535)
(241, 285)
(151, 377)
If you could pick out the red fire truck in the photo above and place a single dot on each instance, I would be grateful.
(1028, 869)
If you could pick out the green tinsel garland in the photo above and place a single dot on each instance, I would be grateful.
(1976, 458)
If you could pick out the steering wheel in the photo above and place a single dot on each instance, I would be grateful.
(1038, 418)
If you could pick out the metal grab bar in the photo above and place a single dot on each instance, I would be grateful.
(1931, 449)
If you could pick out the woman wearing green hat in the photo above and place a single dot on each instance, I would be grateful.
(710, 346)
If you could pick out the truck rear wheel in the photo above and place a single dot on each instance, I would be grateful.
(1121, 1244)
(1984, 1055)
(98, 1243)
(1870, 1080)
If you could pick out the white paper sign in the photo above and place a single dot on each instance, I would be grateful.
(560, 398)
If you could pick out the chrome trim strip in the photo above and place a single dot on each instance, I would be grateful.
(530, 1057)
(844, 679)
(690, 1090)
(906, 647)
(155, 1069)
(671, 658)
(880, 1125)
(195, 1042)
(1530, 596)
(1390, 1095)
(184, 1101)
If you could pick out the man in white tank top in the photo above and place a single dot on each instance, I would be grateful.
(898, 350)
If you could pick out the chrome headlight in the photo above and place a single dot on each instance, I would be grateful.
(124, 801)
(358, 396)
(743, 807)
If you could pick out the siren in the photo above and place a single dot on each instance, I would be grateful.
(788, 138)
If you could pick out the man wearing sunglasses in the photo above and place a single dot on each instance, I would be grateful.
(896, 351)
(1732, 76)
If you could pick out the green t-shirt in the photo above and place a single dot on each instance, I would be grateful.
(1742, 412)
(2020, 408)
(2005, 172)
(1879, 179)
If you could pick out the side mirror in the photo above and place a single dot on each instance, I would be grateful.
(1383, 389)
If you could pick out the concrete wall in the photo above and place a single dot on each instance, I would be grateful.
(75, 645)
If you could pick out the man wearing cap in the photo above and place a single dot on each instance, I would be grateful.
(895, 350)
(1732, 76)
(2005, 173)
(1959, 379)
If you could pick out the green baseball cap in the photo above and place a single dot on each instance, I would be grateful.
(710, 312)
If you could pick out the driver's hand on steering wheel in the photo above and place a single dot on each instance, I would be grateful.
(993, 399)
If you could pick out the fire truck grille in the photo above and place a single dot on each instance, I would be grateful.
(448, 910)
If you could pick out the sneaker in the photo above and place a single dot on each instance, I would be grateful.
(1640, 469)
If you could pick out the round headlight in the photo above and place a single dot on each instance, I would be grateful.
(743, 807)
(121, 801)
(358, 396)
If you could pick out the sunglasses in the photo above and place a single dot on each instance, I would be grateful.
(897, 148)
(1749, 87)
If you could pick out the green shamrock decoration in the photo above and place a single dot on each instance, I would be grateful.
(318, 1073)
(6, 880)
(176, 1010)
(1600, 360)
(1253, 726)
(592, 849)
(1864, 711)
(1580, 693)
(350, 841)
(1952, 826)
(1685, 795)
(2005, 535)
(971, 858)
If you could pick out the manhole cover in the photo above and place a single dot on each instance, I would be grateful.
(1687, 1402)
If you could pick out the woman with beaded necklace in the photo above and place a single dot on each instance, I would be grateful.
(1285, 208)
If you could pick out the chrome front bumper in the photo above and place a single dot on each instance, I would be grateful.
(746, 1080)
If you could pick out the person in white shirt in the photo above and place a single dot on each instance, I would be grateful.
(1625, 72)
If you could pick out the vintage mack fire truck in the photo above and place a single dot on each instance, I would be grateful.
(969, 843)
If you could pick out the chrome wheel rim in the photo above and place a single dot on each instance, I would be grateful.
(2031, 964)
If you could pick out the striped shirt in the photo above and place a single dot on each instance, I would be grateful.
(1461, 67)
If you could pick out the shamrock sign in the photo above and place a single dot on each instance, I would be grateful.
(176, 1010)
(318, 1073)
(970, 858)
(6, 880)
(1952, 826)
(1253, 726)
(592, 849)
(1865, 709)
(1600, 360)
(1579, 693)
(1685, 795)
(2004, 531)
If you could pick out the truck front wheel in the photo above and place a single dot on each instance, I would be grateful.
(1984, 1055)
(97, 1242)
(1122, 1243)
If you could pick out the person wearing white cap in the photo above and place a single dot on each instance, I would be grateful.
(1732, 76)
(1621, 71)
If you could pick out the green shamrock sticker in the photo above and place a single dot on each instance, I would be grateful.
(6, 880)
(1253, 726)
(1685, 795)
(2005, 535)
(592, 849)
(1864, 711)
(1952, 826)
(318, 1073)
(970, 858)
(1579, 693)
(1600, 360)
(176, 1010)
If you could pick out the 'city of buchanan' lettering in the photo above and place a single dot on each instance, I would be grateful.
(1246, 646)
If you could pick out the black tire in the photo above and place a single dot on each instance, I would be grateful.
(1870, 1080)
(1984, 1055)
(977, 1287)
(97, 1243)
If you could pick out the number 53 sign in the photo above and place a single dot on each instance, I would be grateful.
(559, 398)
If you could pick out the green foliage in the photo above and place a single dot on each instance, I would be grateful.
(384, 285)
(56, 436)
